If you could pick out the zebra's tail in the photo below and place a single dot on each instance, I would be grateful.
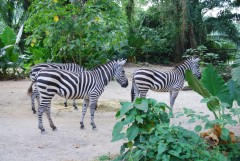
(29, 93)
(133, 90)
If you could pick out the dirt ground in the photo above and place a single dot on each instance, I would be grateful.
(21, 140)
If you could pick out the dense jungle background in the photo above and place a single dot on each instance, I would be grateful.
(92, 32)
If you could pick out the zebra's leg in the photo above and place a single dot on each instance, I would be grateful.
(47, 111)
(92, 111)
(173, 96)
(74, 104)
(143, 93)
(42, 107)
(65, 103)
(84, 110)
(34, 95)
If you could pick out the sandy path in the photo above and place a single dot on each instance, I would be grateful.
(21, 140)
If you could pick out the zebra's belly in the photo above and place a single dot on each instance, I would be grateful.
(69, 95)
(160, 90)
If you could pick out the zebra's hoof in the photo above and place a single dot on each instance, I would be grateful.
(43, 131)
(82, 127)
(34, 112)
(54, 128)
(94, 128)
(65, 105)
(75, 107)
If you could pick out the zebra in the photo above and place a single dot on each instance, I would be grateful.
(87, 85)
(168, 81)
(67, 66)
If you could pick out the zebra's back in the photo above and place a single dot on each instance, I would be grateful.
(67, 66)
(162, 81)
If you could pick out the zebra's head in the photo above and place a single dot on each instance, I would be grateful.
(195, 67)
(119, 73)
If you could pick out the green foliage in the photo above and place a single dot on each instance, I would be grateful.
(215, 84)
(141, 117)
(105, 158)
(8, 56)
(230, 150)
(219, 97)
(217, 52)
(159, 34)
(223, 48)
(217, 94)
(236, 69)
(145, 126)
(87, 34)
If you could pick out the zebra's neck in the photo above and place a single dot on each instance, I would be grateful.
(183, 67)
(105, 72)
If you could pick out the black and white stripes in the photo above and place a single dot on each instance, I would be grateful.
(169, 81)
(87, 85)
(67, 66)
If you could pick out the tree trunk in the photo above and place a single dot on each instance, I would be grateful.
(192, 37)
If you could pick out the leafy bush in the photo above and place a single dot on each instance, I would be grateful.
(11, 58)
(223, 49)
(86, 34)
(219, 97)
(218, 53)
(145, 126)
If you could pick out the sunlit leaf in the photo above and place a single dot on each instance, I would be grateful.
(215, 84)
(8, 36)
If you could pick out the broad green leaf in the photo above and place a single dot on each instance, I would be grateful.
(136, 155)
(161, 148)
(192, 120)
(196, 85)
(164, 117)
(225, 134)
(126, 106)
(129, 119)
(215, 84)
(139, 119)
(174, 153)
(198, 128)
(120, 136)
(234, 90)
(143, 105)
(116, 134)
(132, 132)
(8, 36)
(37, 54)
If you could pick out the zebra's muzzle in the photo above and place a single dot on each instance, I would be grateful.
(125, 84)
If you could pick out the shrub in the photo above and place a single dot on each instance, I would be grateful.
(145, 126)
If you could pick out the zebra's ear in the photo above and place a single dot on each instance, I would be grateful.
(122, 62)
(197, 60)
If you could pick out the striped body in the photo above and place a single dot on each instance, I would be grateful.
(168, 81)
(87, 85)
(68, 66)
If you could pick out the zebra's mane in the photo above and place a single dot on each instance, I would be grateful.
(100, 66)
(182, 62)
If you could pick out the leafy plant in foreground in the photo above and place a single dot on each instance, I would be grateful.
(218, 96)
(145, 126)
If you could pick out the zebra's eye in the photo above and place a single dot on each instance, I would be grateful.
(123, 71)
